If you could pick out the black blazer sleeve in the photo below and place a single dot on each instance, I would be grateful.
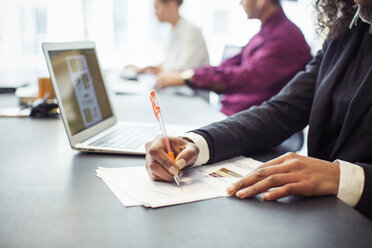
(365, 203)
(265, 126)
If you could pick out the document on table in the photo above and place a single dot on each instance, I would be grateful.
(133, 187)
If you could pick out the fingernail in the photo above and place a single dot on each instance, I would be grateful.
(173, 170)
(266, 196)
(181, 163)
(239, 194)
(230, 189)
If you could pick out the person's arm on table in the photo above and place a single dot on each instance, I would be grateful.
(260, 72)
(291, 174)
(351, 181)
(167, 79)
(153, 69)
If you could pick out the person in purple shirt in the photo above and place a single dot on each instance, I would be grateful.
(270, 59)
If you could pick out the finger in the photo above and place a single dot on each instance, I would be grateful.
(157, 152)
(164, 160)
(167, 163)
(187, 156)
(286, 190)
(156, 171)
(153, 176)
(155, 70)
(160, 172)
(149, 172)
(280, 160)
(265, 185)
(256, 176)
(156, 178)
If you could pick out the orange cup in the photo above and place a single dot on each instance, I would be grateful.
(45, 87)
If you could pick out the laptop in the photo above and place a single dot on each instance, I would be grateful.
(85, 105)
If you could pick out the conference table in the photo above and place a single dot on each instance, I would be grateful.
(51, 197)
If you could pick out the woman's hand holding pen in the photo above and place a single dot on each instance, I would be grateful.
(290, 174)
(160, 166)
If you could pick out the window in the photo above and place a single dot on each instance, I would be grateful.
(1, 33)
(41, 19)
(125, 31)
(221, 22)
(33, 28)
(120, 15)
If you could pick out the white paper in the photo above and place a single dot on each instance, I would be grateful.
(133, 186)
(122, 196)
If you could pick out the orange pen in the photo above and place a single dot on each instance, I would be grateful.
(156, 108)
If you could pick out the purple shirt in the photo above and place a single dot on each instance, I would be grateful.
(270, 59)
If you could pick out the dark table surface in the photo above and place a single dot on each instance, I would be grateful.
(50, 196)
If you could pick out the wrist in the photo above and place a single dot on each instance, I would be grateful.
(336, 165)
(351, 184)
(187, 76)
(202, 144)
(187, 139)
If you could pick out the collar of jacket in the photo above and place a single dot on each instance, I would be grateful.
(365, 13)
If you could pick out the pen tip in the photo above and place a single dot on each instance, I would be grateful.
(177, 180)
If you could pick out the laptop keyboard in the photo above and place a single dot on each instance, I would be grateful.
(127, 137)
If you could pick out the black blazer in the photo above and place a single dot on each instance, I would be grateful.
(306, 101)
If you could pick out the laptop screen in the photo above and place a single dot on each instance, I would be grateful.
(81, 88)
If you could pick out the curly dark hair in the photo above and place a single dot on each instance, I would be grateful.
(335, 15)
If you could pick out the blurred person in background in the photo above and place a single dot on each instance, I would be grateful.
(186, 49)
(269, 60)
